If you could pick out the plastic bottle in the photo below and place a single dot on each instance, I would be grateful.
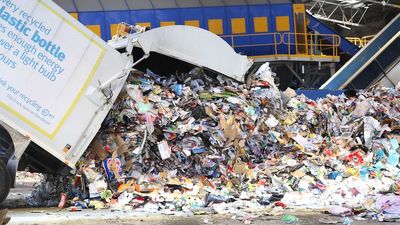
(364, 173)
(289, 219)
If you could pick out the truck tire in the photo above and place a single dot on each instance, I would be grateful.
(5, 181)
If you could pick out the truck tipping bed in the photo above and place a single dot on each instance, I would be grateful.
(179, 49)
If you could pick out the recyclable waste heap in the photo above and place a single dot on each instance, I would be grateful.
(196, 144)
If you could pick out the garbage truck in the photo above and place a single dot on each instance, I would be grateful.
(58, 80)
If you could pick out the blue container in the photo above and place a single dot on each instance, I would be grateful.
(178, 89)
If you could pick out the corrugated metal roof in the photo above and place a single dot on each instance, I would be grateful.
(188, 3)
(163, 4)
(112, 5)
(88, 5)
(212, 2)
(139, 4)
(256, 2)
(67, 5)
(234, 2)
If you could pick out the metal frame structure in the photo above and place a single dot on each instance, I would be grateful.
(345, 13)
(372, 62)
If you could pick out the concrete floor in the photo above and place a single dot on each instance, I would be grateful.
(53, 216)
(24, 185)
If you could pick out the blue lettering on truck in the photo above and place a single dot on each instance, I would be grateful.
(22, 27)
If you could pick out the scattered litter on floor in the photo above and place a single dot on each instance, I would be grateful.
(4, 219)
(201, 145)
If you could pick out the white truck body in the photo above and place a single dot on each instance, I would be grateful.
(51, 67)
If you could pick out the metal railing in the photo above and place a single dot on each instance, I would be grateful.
(360, 42)
(280, 44)
(233, 40)
(288, 43)
(123, 29)
(313, 44)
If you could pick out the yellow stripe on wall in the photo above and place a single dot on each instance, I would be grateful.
(238, 25)
(193, 23)
(215, 26)
(114, 29)
(144, 24)
(95, 29)
(75, 15)
(282, 23)
(260, 24)
(167, 23)
(299, 8)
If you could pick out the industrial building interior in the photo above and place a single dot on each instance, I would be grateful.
(306, 42)
(199, 112)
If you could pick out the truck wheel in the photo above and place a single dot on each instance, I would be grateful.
(5, 181)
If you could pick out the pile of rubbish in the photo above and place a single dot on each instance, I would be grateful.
(194, 144)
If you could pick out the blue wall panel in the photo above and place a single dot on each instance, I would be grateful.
(115, 17)
(163, 15)
(283, 10)
(203, 14)
(237, 12)
(94, 18)
(193, 14)
(216, 13)
(263, 11)
(144, 16)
